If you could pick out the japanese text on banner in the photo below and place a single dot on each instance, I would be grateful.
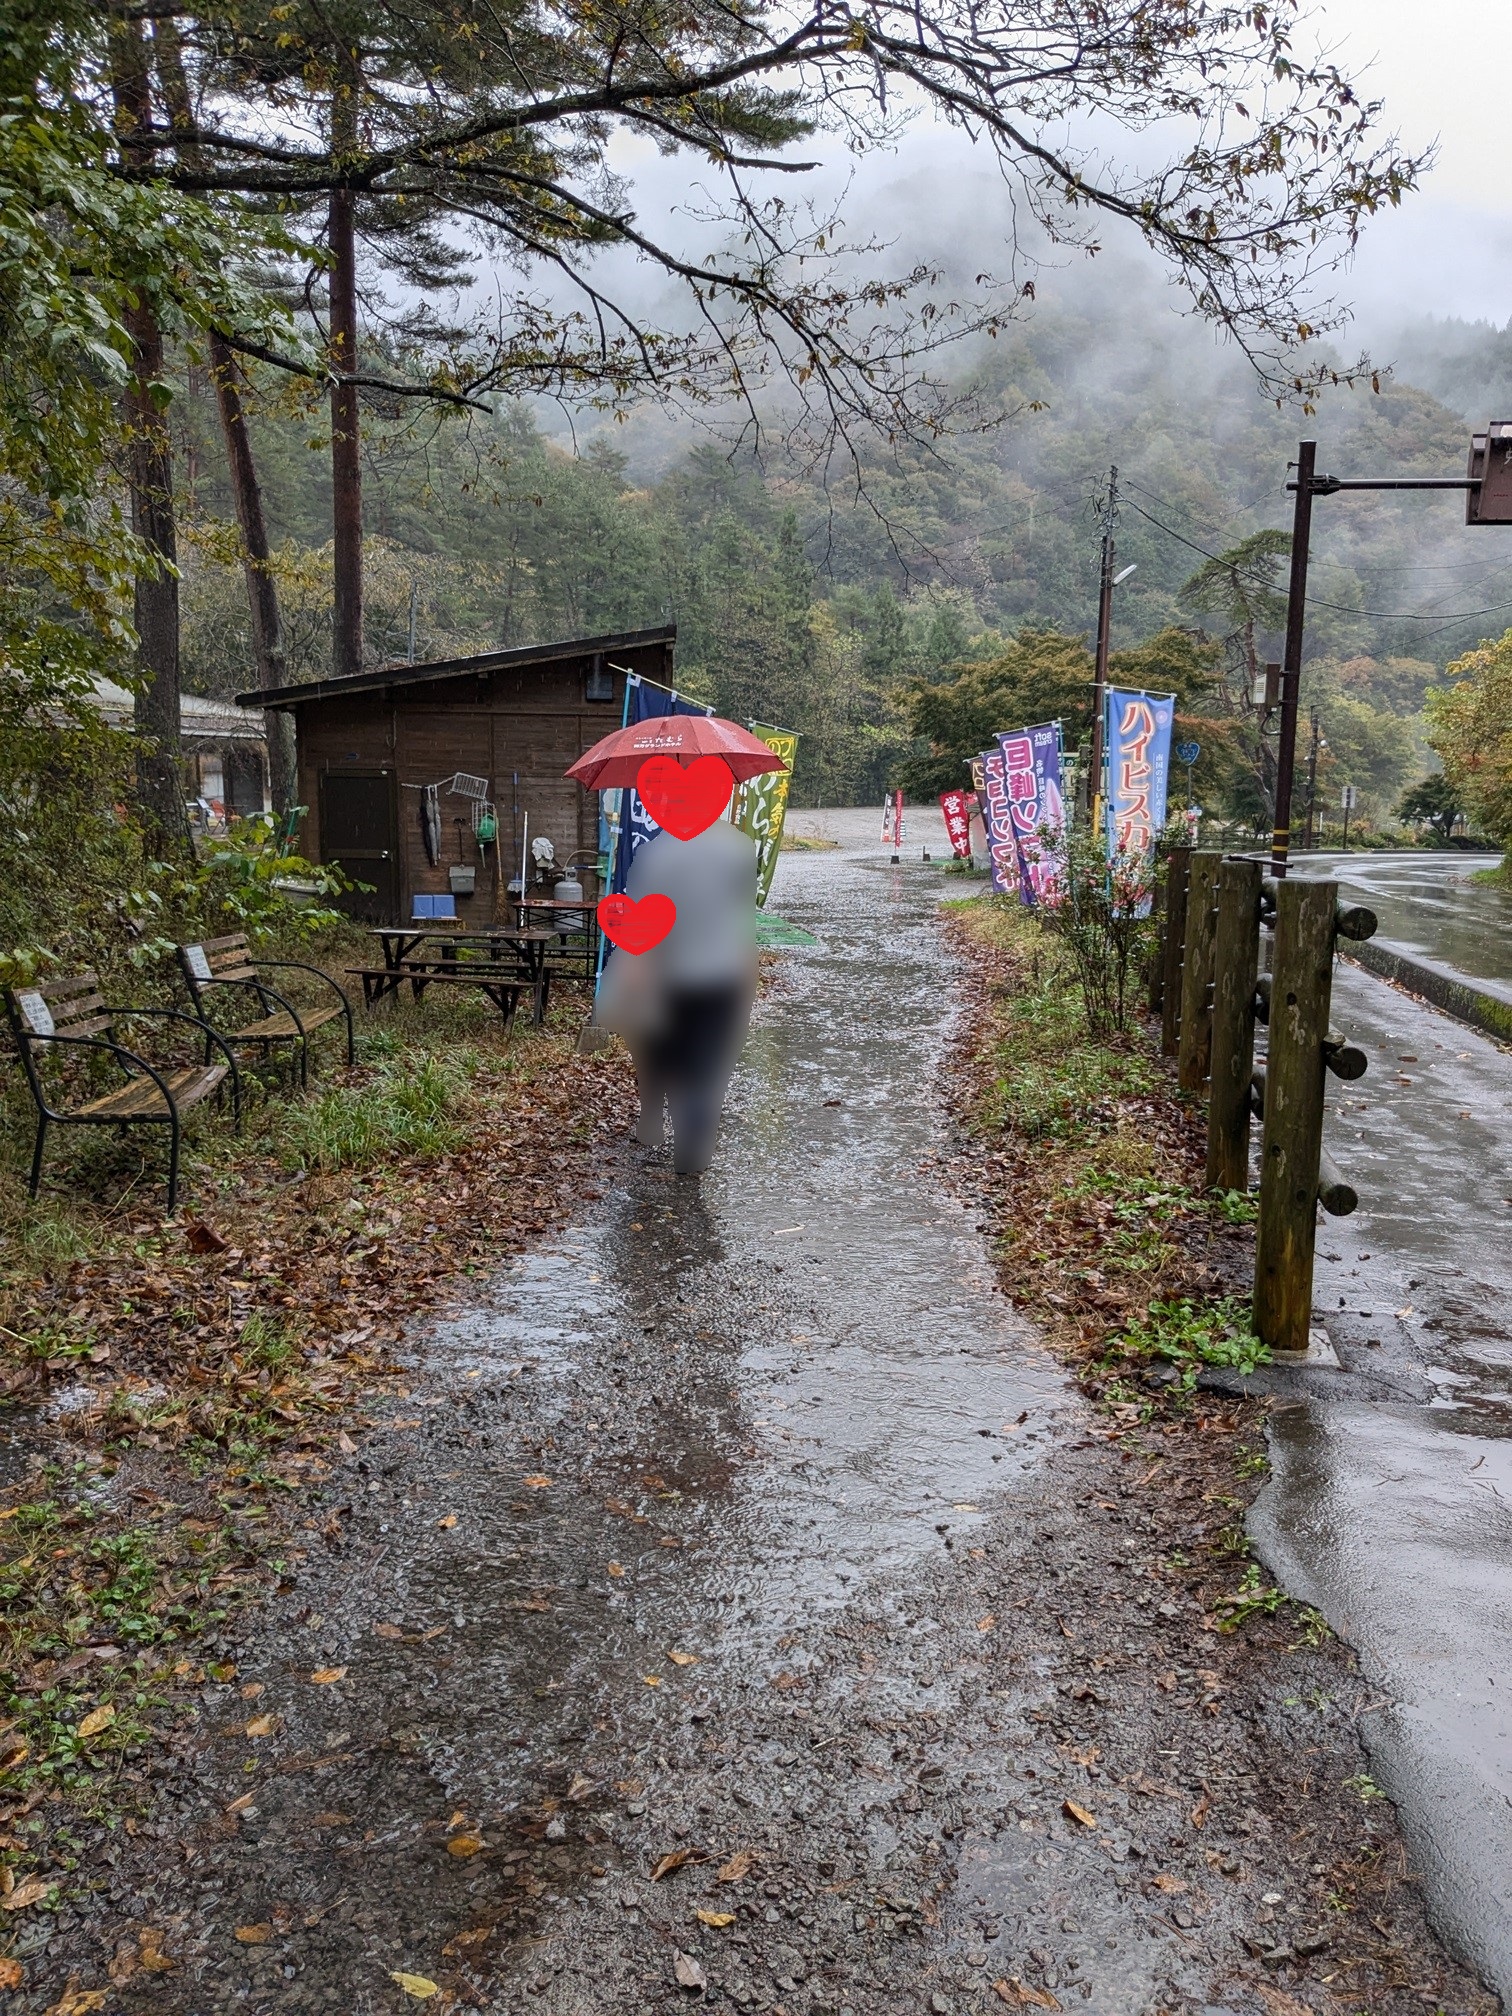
(958, 807)
(1032, 772)
(761, 804)
(1139, 762)
(1002, 847)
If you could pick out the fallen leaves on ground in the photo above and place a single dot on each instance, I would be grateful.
(688, 1972)
(12, 1974)
(1074, 1810)
(417, 1985)
(448, 1522)
(202, 1238)
(253, 1935)
(96, 1720)
(323, 1676)
(31, 1891)
(463, 1845)
(683, 1658)
(261, 1725)
(718, 1919)
(1171, 1885)
(739, 1866)
(678, 1858)
(79, 2001)
(1019, 1995)
(538, 1483)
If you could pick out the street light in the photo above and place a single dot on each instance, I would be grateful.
(1110, 581)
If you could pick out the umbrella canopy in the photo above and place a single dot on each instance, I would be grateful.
(618, 757)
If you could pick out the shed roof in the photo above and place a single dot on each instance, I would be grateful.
(479, 664)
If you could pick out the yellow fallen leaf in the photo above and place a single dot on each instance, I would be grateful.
(324, 1675)
(1077, 1812)
(463, 1845)
(1172, 1885)
(261, 1725)
(539, 1483)
(80, 2002)
(739, 1866)
(683, 1658)
(31, 1891)
(416, 1985)
(14, 1750)
(718, 1919)
(150, 1954)
(96, 1720)
(447, 1523)
(253, 1935)
(652, 1679)
(986, 1623)
(11, 1974)
(615, 1569)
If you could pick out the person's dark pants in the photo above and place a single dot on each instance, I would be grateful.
(689, 1063)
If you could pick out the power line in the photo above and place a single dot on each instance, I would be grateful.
(1434, 616)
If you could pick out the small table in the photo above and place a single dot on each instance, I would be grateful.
(399, 942)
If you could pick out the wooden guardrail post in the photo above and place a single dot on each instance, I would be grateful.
(1178, 864)
(1292, 1142)
(1195, 1045)
(1236, 958)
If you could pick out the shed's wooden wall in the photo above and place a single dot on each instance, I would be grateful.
(532, 722)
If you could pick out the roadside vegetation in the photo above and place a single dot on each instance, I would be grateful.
(171, 1387)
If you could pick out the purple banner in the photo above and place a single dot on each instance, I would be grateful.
(997, 823)
(1032, 772)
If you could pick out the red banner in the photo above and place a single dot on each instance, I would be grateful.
(958, 807)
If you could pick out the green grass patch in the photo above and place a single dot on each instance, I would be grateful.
(1190, 1335)
(408, 1107)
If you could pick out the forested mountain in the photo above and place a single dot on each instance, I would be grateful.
(818, 605)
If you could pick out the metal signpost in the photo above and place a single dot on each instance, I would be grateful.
(1488, 501)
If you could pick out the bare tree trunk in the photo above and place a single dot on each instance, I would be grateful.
(246, 491)
(160, 784)
(346, 426)
(262, 589)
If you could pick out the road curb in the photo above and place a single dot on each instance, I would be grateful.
(1484, 1005)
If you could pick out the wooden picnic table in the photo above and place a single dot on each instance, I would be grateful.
(555, 909)
(475, 958)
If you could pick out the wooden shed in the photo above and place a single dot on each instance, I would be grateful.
(374, 747)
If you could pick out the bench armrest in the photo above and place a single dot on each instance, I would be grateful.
(127, 1059)
(195, 1022)
(300, 966)
(260, 988)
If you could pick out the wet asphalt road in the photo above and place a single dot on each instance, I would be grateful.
(1391, 1505)
(1430, 906)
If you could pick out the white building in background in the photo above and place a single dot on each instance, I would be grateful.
(225, 752)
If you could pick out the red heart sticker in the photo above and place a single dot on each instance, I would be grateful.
(636, 927)
(683, 802)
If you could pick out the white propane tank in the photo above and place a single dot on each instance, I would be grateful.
(569, 890)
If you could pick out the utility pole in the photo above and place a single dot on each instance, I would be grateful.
(1104, 628)
(1291, 663)
(1312, 783)
(414, 611)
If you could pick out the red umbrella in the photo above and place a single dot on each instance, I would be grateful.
(618, 757)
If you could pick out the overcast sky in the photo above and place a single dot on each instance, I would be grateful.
(1443, 67)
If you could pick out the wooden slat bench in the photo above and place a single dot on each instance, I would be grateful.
(503, 985)
(70, 1014)
(226, 962)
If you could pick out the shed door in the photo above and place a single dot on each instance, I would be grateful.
(358, 833)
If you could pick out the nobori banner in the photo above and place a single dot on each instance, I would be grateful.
(997, 822)
(1139, 763)
(958, 807)
(1032, 770)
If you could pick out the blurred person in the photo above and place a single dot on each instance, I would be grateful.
(684, 1006)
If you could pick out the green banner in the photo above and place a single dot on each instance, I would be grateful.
(761, 804)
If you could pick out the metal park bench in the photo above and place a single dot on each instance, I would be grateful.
(69, 1014)
(226, 962)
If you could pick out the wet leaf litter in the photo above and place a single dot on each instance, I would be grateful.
(853, 1797)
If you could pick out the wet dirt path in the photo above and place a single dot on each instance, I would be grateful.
(737, 1608)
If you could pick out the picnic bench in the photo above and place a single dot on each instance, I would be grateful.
(574, 924)
(64, 1014)
(227, 962)
(500, 962)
